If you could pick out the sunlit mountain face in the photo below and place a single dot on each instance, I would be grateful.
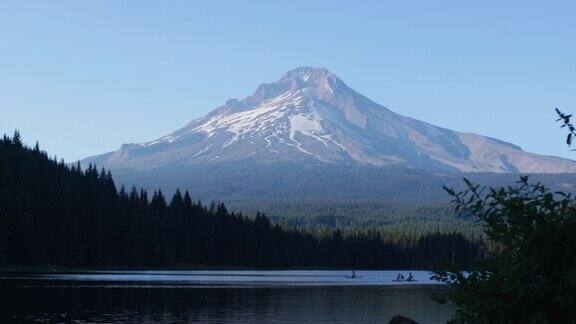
(311, 116)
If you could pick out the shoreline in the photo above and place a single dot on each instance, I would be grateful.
(219, 278)
(56, 269)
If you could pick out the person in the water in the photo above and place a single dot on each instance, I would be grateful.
(399, 277)
(410, 277)
(353, 274)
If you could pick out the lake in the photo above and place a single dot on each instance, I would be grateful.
(219, 296)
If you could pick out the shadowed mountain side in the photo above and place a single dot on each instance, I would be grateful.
(297, 189)
(310, 116)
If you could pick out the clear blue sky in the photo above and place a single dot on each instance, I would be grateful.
(83, 77)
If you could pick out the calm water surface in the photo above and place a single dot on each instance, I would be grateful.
(218, 296)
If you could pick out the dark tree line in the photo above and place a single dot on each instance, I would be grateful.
(53, 214)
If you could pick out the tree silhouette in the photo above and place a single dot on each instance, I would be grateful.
(528, 274)
(565, 119)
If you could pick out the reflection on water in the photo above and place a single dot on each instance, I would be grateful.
(154, 300)
(223, 278)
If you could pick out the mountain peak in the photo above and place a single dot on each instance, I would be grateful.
(310, 115)
(306, 76)
(318, 81)
(305, 73)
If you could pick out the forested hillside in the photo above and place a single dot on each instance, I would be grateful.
(315, 195)
(53, 214)
(414, 221)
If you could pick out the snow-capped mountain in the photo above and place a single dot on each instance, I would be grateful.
(310, 115)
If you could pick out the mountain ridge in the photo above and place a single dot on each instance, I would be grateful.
(311, 115)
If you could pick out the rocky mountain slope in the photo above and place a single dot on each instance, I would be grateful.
(311, 116)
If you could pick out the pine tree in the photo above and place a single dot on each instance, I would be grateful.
(17, 139)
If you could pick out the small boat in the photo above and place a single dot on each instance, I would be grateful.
(352, 277)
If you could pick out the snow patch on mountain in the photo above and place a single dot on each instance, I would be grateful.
(311, 115)
(304, 124)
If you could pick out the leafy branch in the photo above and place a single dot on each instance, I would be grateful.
(528, 271)
(565, 118)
